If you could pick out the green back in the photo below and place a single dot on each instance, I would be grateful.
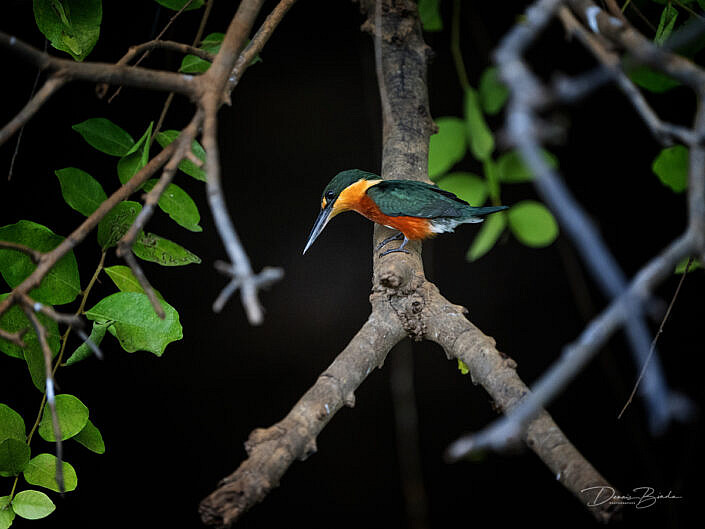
(401, 198)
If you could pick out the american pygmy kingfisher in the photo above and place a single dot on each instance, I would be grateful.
(418, 210)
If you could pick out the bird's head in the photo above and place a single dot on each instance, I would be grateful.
(338, 196)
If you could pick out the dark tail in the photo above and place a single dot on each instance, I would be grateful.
(480, 212)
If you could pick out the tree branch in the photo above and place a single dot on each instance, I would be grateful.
(403, 302)
(103, 72)
(272, 450)
(520, 117)
(52, 85)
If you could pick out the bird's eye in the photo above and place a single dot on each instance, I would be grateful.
(330, 195)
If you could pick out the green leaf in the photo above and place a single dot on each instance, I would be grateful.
(164, 138)
(135, 158)
(489, 233)
(125, 280)
(11, 424)
(15, 320)
(430, 15)
(116, 223)
(694, 265)
(72, 26)
(463, 367)
(665, 25)
(14, 456)
(84, 351)
(178, 205)
(151, 247)
(72, 415)
(80, 190)
(104, 135)
(479, 135)
(32, 505)
(176, 5)
(135, 324)
(61, 285)
(194, 64)
(467, 186)
(91, 438)
(447, 147)
(6, 512)
(532, 223)
(493, 93)
(512, 169)
(648, 78)
(671, 166)
(41, 471)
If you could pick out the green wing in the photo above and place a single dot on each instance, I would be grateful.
(401, 198)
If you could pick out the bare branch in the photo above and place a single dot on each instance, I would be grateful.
(14, 337)
(49, 389)
(52, 85)
(168, 45)
(182, 146)
(144, 282)
(664, 132)
(258, 41)
(574, 356)
(98, 72)
(403, 302)
(33, 254)
(527, 95)
(47, 310)
(272, 450)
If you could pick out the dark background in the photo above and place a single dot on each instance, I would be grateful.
(175, 425)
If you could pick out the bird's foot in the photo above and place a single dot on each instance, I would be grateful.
(398, 237)
(394, 250)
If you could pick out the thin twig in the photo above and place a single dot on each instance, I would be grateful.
(144, 283)
(258, 41)
(656, 337)
(49, 389)
(102, 89)
(33, 254)
(50, 86)
(182, 144)
(573, 357)
(16, 151)
(14, 337)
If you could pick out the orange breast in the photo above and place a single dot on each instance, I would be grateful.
(413, 228)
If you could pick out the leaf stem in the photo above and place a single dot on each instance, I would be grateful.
(455, 47)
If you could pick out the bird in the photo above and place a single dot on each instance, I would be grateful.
(417, 210)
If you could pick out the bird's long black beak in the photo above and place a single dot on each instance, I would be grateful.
(323, 217)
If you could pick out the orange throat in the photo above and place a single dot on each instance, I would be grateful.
(355, 198)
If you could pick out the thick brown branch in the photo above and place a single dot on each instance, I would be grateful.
(403, 302)
(272, 450)
(496, 373)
